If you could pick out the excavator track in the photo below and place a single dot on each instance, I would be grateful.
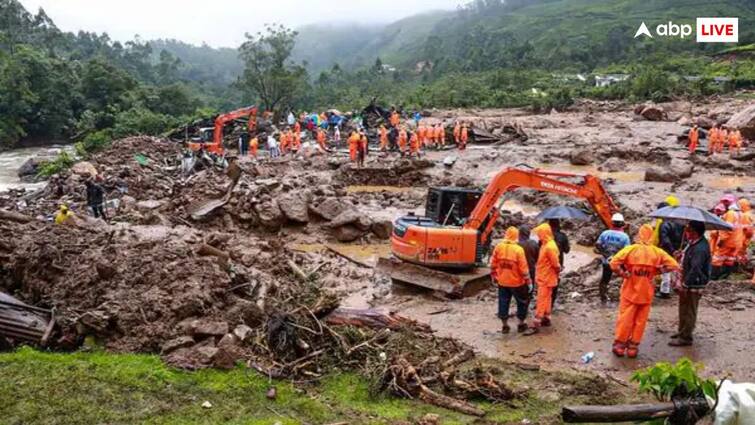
(453, 284)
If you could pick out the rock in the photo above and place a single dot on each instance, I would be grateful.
(744, 121)
(329, 209)
(270, 214)
(176, 343)
(294, 206)
(676, 171)
(352, 217)
(149, 205)
(613, 165)
(84, 168)
(705, 122)
(463, 181)
(430, 419)
(205, 353)
(581, 157)
(105, 270)
(228, 340)
(208, 328)
(348, 233)
(29, 168)
(243, 332)
(382, 229)
(450, 160)
(653, 113)
(684, 121)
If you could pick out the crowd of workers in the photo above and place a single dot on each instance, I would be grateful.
(324, 129)
(718, 137)
(682, 255)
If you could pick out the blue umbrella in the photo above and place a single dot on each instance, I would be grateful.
(561, 213)
(686, 214)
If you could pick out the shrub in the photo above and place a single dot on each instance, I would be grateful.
(63, 162)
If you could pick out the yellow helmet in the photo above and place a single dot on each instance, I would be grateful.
(672, 201)
(64, 208)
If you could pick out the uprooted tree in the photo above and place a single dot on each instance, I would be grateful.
(269, 74)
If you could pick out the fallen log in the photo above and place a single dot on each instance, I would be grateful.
(23, 322)
(14, 216)
(370, 318)
(633, 412)
(209, 250)
(429, 396)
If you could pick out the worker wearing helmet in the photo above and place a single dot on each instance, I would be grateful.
(609, 243)
(63, 214)
(727, 242)
(464, 137)
(694, 137)
(546, 276)
(638, 264)
(508, 267)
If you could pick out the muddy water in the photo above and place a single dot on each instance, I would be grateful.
(732, 182)
(11, 161)
(367, 254)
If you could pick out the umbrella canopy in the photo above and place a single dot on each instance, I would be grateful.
(687, 213)
(562, 212)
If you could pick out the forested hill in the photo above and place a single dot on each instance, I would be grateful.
(555, 34)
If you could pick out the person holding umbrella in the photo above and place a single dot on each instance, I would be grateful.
(696, 270)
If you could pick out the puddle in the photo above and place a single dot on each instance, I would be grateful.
(376, 189)
(732, 182)
(579, 256)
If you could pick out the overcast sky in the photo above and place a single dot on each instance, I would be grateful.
(218, 22)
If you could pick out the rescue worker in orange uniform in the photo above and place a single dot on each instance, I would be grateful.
(745, 222)
(694, 137)
(508, 268)
(254, 145)
(422, 134)
(727, 242)
(457, 133)
(402, 140)
(547, 270)
(735, 142)
(723, 136)
(395, 119)
(712, 140)
(440, 135)
(321, 139)
(638, 264)
(383, 138)
(362, 148)
(296, 140)
(284, 143)
(414, 144)
(297, 127)
(354, 140)
(464, 137)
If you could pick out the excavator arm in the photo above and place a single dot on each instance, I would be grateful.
(588, 188)
(220, 122)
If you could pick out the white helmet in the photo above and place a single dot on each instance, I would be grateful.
(617, 218)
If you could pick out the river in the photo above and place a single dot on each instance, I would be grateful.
(12, 160)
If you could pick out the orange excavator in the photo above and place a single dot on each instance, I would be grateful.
(444, 250)
(214, 144)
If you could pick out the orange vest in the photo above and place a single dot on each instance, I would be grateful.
(510, 264)
(643, 263)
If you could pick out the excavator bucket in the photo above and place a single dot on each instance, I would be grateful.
(453, 284)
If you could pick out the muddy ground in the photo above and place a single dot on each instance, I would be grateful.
(158, 279)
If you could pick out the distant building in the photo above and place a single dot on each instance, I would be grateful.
(610, 79)
(389, 68)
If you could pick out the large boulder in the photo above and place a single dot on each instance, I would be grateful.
(705, 122)
(84, 168)
(676, 171)
(294, 206)
(348, 233)
(354, 218)
(329, 209)
(270, 214)
(651, 112)
(29, 168)
(613, 165)
(581, 157)
(382, 229)
(744, 121)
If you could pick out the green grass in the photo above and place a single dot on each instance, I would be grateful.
(98, 387)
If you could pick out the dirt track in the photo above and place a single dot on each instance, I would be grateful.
(140, 283)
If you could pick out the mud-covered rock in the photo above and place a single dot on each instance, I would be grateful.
(176, 343)
(613, 165)
(382, 229)
(243, 332)
(348, 233)
(744, 121)
(581, 157)
(328, 209)
(705, 122)
(678, 170)
(354, 218)
(29, 168)
(270, 214)
(651, 112)
(209, 328)
(84, 168)
(295, 205)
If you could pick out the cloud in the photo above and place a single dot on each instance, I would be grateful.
(218, 22)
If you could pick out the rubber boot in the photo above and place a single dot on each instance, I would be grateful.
(619, 348)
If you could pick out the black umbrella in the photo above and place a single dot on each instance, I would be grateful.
(687, 214)
(561, 213)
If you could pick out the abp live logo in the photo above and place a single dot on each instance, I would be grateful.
(717, 30)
